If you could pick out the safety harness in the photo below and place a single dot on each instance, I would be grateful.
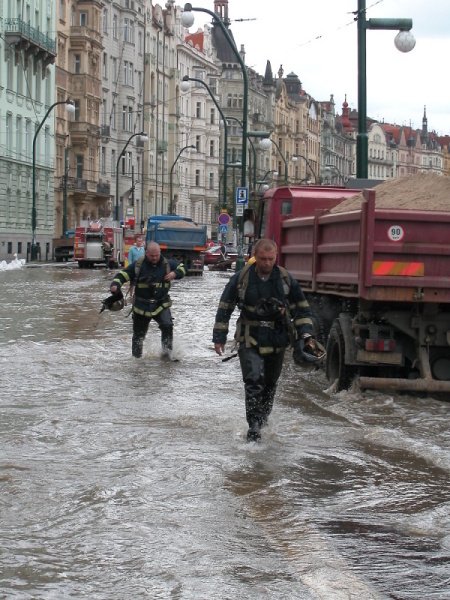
(244, 324)
(154, 307)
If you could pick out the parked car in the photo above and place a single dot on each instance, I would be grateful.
(214, 254)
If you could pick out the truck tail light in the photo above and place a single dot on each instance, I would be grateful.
(379, 345)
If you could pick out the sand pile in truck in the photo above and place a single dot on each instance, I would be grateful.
(424, 191)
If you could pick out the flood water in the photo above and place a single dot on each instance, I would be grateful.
(123, 478)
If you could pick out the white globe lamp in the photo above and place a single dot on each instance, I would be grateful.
(404, 41)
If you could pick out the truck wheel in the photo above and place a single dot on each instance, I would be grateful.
(336, 369)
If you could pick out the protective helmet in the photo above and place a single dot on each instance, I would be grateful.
(309, 353)
(114, 302)
(269, 308)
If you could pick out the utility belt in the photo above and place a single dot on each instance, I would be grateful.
(267, 336)
(269, 324)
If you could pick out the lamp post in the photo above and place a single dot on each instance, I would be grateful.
(144, 138)
(171, 177)
(308, 164)
(70, 107)
(187, 19)
(405, 42)
(186, 80)
(266, 145)
(338, 171)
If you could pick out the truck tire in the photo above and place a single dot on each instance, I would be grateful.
(336, 369)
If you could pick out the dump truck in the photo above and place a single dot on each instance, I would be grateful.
(63, 246)
(179, 238)
(378, 282)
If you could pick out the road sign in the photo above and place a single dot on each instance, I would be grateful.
(223, 228)
(239, 210)
(224, 218)
(242, 195)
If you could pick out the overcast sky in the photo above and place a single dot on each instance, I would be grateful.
(317, 40)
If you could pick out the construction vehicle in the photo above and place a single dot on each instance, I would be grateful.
(63, 246)
(377, 280)
(97, 244)
(179, 238)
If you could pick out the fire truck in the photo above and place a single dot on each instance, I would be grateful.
(97, 244)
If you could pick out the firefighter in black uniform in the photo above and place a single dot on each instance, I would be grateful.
(150, 277)
(273, 311)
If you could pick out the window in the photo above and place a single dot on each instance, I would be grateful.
(198, 110)
(28, 137)
(83, 19)
(9, 134)
(19, 137)
(114, 27)
(197, 177)
(212, 116)
(130, 118)
(124, 118)
(105, 21)
(77, 110)
(77, 63)
(113, 162)
(211, 181)
(211, 148)
(79, 166)
(198, 143)
(128, 73)
(105, 65)
(114, 68)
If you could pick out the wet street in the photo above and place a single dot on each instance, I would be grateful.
(123, 478)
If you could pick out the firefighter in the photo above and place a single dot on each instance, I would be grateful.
(273, 311)
(151, 276)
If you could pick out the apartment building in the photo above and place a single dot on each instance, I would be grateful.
(27, 93)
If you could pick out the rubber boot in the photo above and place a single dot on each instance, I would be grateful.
(167, 340)
(137, 346)
(268, 396)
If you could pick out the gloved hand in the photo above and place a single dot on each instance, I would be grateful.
(308, 350)
(114, 288)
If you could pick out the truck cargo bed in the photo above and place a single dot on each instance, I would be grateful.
(372, 254)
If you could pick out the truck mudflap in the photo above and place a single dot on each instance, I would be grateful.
(426, 383)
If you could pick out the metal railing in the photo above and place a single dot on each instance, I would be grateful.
(30, 33)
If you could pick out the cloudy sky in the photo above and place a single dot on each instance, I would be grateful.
(317, 40)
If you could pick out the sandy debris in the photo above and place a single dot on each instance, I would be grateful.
(424, 191)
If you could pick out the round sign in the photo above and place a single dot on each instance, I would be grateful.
(224, 218)
(395, 233)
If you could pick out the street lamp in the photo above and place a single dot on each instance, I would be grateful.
(308, 164)
(338, 171)
(70, 107)
(184, 87)
(405, 42)
(187, 19)
(171, 177)
(144, 137)
(266, 143)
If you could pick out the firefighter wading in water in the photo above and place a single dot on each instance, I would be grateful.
(150, 278)
(273, 308)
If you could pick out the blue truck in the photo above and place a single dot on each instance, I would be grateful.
(179, 238)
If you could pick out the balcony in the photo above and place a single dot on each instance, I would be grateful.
(82, 132)
(85, 85)
(104, 188)
(77, 184)
(32, 41)
(80, 35)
